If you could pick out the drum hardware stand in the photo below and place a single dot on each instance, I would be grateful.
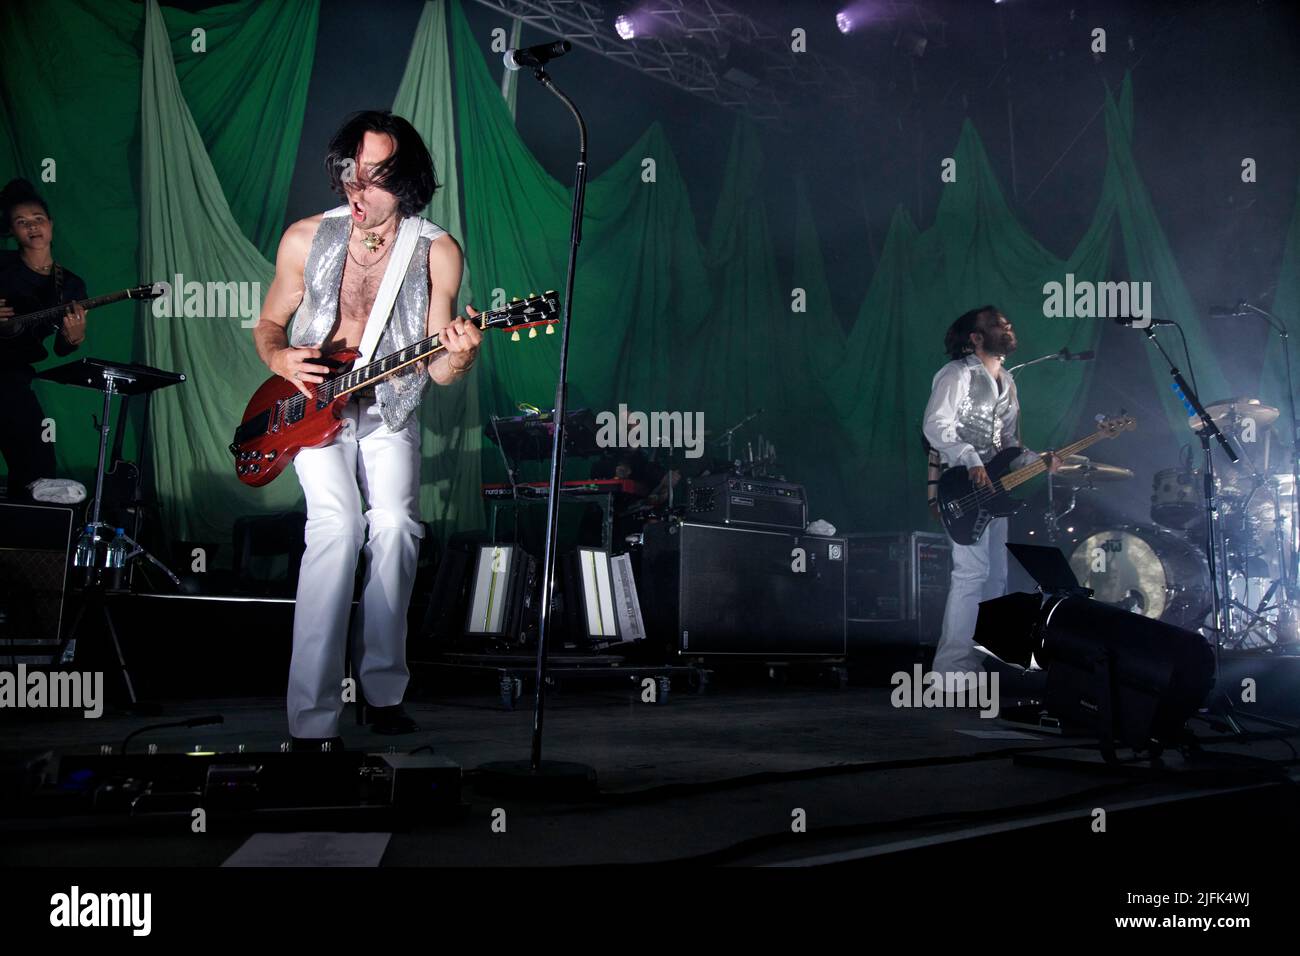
(1207, 431)
(728, 436)
(1286, 556)
(1050, 517)
(122, 380)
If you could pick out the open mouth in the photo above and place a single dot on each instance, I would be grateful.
(358, 212)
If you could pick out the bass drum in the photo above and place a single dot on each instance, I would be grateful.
(1148, 571)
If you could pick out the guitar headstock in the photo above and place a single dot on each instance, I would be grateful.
(1110, 427)
(530, 313)
(151, 291)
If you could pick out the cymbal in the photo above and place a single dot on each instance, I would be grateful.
(1226, 409)
(1087, 472)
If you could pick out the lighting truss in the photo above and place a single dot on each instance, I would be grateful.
(689, 47)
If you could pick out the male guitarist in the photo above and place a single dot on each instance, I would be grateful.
(972, 415)
(328, 273)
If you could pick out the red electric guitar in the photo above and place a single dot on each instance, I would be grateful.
(280, 421)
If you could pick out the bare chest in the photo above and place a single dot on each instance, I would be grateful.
(357, 293)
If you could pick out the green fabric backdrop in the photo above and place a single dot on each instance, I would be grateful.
(71, 78)
(185, 166)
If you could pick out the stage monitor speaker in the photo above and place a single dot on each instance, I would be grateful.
(718, 590)
(34, 543)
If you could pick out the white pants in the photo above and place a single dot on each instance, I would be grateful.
(367, 461)
(979, 572)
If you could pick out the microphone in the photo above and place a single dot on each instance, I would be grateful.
(536, 56)
(1129, 322)
(1228, 312)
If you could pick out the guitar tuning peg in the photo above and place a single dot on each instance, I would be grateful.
(532, 333)
(514, 299)
(514, 336)
(550, 329)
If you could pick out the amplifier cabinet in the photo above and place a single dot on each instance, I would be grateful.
(899, 581)
(34, 546)
(750, 502)
(718, 590)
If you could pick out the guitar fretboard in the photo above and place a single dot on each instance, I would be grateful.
(1021, 475)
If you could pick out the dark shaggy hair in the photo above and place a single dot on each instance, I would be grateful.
(17, 192)
(407, 173)
(956, 342)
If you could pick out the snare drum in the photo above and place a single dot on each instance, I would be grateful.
(1149, 571)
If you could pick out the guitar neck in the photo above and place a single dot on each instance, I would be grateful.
(57, 311)
(1022, 475)
(381, 368)
(391, 364)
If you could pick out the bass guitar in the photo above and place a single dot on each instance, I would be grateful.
(280, 421)
(966, 510)
(19, 324)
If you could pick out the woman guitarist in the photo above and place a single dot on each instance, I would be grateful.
(30, 280)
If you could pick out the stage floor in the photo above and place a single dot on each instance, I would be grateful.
(716, 777)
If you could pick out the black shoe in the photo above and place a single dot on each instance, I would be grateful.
(315, 744)
(392, 721)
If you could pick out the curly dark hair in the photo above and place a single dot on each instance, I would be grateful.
(956, 341)
(17, 192)
(407, 174)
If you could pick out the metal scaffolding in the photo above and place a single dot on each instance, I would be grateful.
(705, 48)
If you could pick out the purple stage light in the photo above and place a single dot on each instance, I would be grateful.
(625, 27)
(844, 21)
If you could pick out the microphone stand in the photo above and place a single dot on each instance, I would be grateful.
(1207, 431)
(1062, 356)
(1288, 569)
(535, 776)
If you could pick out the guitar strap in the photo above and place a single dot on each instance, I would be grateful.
(408, 233)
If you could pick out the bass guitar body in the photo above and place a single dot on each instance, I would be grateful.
(280, 421)
(966, 510)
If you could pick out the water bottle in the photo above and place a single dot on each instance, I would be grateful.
(83, 559)
(115, 560)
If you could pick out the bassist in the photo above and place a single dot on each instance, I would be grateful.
(973, 414)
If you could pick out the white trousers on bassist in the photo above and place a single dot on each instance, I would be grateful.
(366, 461)
(979, 572)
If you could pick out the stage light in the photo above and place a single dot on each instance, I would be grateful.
(844, 21)
(625, 26)
(1126, 679)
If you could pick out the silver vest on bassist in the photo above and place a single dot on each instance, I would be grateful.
(399, 394)
(980, 414)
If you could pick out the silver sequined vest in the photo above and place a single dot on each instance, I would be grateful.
(980, 414)
(400, 394)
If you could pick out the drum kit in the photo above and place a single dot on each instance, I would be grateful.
(1161, 571)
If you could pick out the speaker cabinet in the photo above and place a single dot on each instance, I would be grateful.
(718, 590)
(34, 543)
(897, 586)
